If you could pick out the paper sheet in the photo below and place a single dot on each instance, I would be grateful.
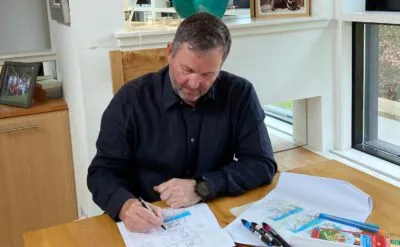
(293, 207)
(239, 210)
(199, 229)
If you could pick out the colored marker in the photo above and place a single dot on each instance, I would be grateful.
(255, 232)
(360, 225)
(274, 241)
(178, 216)
(270, 230)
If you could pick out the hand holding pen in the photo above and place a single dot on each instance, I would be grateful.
(139, 216)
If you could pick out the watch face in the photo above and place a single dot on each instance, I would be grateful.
(202, 189)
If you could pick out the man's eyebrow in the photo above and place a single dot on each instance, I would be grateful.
(186, 67)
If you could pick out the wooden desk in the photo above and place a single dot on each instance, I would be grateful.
(102, 231)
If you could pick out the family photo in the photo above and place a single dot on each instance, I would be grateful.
(18, 81)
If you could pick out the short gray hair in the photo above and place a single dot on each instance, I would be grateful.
(203, 31)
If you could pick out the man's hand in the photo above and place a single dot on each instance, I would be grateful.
(178, 193)
(137, 218)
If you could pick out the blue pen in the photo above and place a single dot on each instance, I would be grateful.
(360, 225)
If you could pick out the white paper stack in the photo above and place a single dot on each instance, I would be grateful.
(200, 229)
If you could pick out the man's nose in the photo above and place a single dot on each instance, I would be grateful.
(194, 82)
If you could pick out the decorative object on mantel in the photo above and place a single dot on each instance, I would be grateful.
(17, 83)
(51, 87)
(279, 8)
(60, 11)
(186, 8)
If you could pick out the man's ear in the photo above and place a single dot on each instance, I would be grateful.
(169, 49)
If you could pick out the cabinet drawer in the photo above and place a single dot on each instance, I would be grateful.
(36, 175)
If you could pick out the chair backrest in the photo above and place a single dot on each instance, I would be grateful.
(129, 65)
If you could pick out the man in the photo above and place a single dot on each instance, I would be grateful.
(173, 135)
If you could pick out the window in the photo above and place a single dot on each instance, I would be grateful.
(281, 111)
(287, 124)
(376, 90)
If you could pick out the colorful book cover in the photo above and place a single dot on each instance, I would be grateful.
(354, 238)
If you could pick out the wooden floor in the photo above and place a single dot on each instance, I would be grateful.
(279, 144)
(290, 156)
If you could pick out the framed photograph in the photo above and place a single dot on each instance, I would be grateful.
(60, 11)
(279, 8)
(17, 83)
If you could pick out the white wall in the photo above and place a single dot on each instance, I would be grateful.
(82, 59)
(288, 66)
(305, 58)
(23, 26)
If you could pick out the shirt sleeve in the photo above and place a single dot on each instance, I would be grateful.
(255, 164)
(108, 171)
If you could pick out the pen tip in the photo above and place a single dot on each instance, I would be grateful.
(244, 221)
(163, 227)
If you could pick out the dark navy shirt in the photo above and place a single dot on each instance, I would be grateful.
(148, 136)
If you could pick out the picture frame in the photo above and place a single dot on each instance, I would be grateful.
(60, 11)
(17, 83)
(274, 9)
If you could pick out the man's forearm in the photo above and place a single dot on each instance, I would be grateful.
(109, 189)
(240, 176)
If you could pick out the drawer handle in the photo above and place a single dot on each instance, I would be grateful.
(18, 129)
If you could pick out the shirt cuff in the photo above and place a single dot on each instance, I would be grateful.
(216, 183)
(118, 198)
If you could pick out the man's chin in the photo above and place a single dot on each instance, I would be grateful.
(190, 99)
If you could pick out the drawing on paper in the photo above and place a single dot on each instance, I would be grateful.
(280, 209)
(179, 233)
(295, 218)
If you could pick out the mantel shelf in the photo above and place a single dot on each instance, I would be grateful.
(159, 36)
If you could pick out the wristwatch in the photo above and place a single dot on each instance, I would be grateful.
(202, 189)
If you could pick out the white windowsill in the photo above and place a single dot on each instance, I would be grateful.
(369, 164)
(29, 57)
(372, 17)
(161, 35)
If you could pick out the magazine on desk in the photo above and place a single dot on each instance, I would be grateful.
(293, 207)
(352, 238)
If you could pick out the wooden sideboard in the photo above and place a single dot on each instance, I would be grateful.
(37, 186)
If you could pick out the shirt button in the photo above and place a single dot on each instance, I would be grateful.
(192, 140)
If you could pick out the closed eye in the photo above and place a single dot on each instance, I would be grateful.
(187, 70)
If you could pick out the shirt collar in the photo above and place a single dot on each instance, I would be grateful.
(170, 98)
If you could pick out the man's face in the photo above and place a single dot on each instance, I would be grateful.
(193, 72)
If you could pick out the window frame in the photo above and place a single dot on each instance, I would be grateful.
(279, 113)
(365, 94)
